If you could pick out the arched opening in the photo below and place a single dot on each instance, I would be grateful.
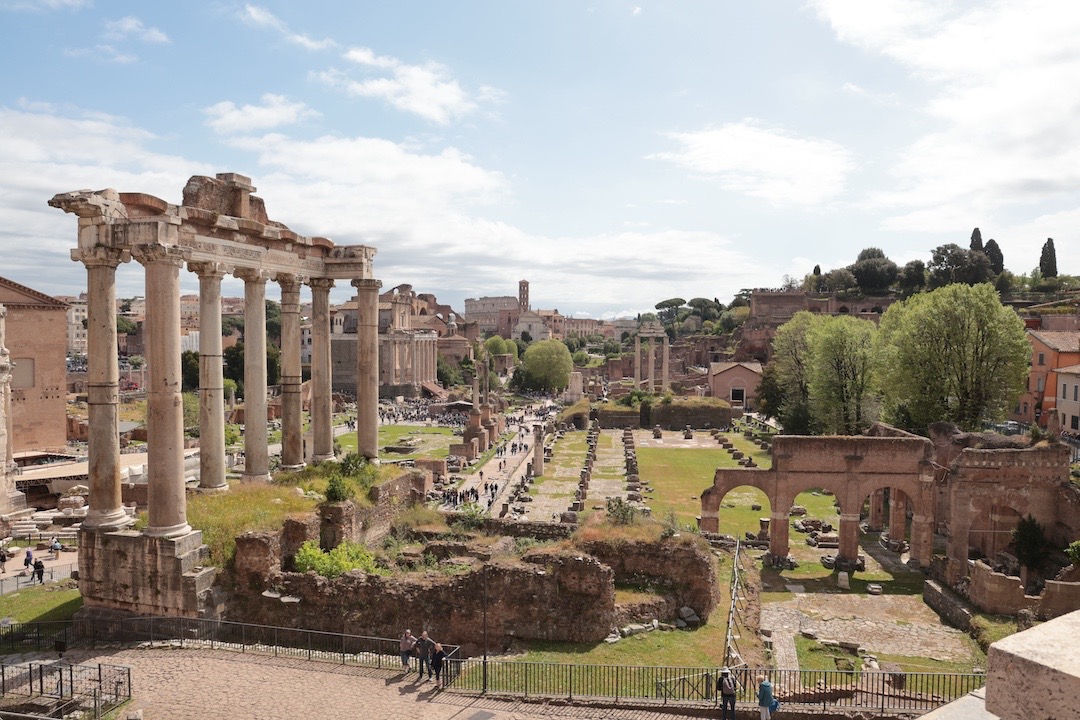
(876, 309)
(815, 523)
(843, 310)
(744, 513)
(624, 337)
(990, 537)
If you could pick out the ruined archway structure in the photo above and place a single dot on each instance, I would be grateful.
(220, 228)
(851, 468)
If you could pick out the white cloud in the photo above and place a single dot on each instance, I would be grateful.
(852, 88)
(768, 163)
(427, 90)
(276, 110)
(101, 53)
(133, 26)
(261, 17)
(43, 4)
(636, 11)
(1002, 107)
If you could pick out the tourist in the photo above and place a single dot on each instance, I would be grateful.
(437, 663)
(764, 697)
(727, 687)
(408, 642)
(3, 561)
(39, 571)
(28, 561)
(55, 547)
(424, 646)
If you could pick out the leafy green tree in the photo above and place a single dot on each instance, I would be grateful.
(953, 354)
(526, 337)
(770, 393)
(234, 364)
(273, 321)
(580, 358)
(993, 254)
(874, 272)
(732, 318)
(839, 373)
(190, 402)
(232, 325)
(1029, 540)
(125, 326)
(953, 264)
(705, 308)
(669, 309)
(447, 373)
(912, 278)
(791, 358)
(189, 370)
(839, 280)
(547, 365)
(1005, 283)
(495, 345)
(1048, 259)
(231, 390)
(976, 241)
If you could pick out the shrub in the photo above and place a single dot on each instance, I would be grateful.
(337, 490)
(621, 512)
(470, 517)
(1073, 551)
(345, 557)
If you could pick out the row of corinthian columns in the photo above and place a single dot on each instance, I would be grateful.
(165, 424)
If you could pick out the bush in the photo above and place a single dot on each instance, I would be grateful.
(470, 517)
(621, 512)
(1073, 551)
(345, 557)
(337, 490)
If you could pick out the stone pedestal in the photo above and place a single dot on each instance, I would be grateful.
(321, 374)
(778, 535)
(849, 537)
(256, 437)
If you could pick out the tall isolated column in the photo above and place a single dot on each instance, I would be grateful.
(367, 367)
(211, 377)
(665, 368)
(652, 365)
(102, 389)
(256, 440)
(164, 407)
(637, 362)
(321, 387)
(849, 536)
(292, 422)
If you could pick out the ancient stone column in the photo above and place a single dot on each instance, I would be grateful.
(778, 534)
(922, 540)
(665, 370)
(849, 536)
(877, 511)
(292, 421)
(538, 450)
(637, 362)
(211, 377)
(652, 365)
(321, 387)
(106, 511)
(897, 515)
(367, 367)
(164, 407)
(256, 447)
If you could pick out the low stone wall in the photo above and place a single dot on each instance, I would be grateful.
(995, 592)
(949, 606)
(682, 571)
(547, 595)
(1058, 598)
(516, 528)
(617, 417)
(676, 415)
(366, 524)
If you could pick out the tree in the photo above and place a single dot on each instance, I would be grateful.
(791, 357)
(1029, 540)
(870, 253)
(953, 354)
(993, 254)
(580, 358)
(705, 308)
(231, 325)
(495, 345)
(912, 278)
(447, 373)
(839, 280)
(234, 364)
(875, 275)
(669, 309)
(547, 365)
(273, 322)
(953, 264)
(189, 370)
(526, 337)
(839, 374)
(976, 241)
(125, 326)
(770, 392)
(1048, 259)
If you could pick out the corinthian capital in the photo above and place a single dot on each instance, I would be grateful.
(150, 253)
(100, 256)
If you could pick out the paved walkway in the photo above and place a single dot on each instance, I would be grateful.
(219, 685)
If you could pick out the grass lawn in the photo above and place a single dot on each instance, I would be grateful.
(433, 442)
(44, 603)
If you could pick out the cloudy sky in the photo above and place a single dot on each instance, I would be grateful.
(613, 153)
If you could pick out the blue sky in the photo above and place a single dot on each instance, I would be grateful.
(613, 153)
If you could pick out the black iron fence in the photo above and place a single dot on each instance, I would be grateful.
(19, 581)
(867, 690)
(63, 689)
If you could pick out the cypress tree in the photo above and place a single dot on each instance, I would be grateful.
(993, 252)
(1048, 259)
(976, 240)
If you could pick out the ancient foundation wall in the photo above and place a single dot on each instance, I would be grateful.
(130, 572)
(995, 592)
(354, 522)
(676, 416)
(555, 596)
(949, 606)
(618, 417)
(515, 528)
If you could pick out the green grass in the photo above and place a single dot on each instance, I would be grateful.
(434, 442)
(695, 648)
(988, 629)
(246, 506)
(44, 603)
(815, 656)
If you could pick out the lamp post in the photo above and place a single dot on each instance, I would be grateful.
(485, 631)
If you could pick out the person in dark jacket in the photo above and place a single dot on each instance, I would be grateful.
(727, 687)
(424, 647)
(39, 571)
(437, 660)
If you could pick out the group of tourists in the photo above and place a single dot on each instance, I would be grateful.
(727, 687)
(429, 654)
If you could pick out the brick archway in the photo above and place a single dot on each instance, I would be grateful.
(852, 468)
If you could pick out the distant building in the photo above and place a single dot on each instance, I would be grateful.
(735, 382)
(1050, 351)
(76, 323)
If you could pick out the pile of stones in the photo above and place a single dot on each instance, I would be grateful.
(687, 619)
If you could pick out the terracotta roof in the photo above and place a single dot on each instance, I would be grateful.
(1071, 370)
(720, 367)
(1060, 341)
(33, 297)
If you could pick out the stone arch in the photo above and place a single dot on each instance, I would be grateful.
(843, 310)
(713, 497)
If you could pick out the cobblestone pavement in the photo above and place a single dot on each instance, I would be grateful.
(217, 685)
(893, 625)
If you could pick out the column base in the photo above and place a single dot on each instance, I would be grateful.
(171, 531)
(260, 477)
(212, 490)
(107, 520)
(293, 468)
(323, 458)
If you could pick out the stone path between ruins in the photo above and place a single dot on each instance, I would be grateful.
(888, 624)
(218, 685)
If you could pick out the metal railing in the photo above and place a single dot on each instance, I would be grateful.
(19, 581)
(883, 691)
(67, 689)
(311, 645)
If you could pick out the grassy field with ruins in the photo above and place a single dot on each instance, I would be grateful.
(431, 441)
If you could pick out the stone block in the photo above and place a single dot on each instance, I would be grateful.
(1036, 673)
